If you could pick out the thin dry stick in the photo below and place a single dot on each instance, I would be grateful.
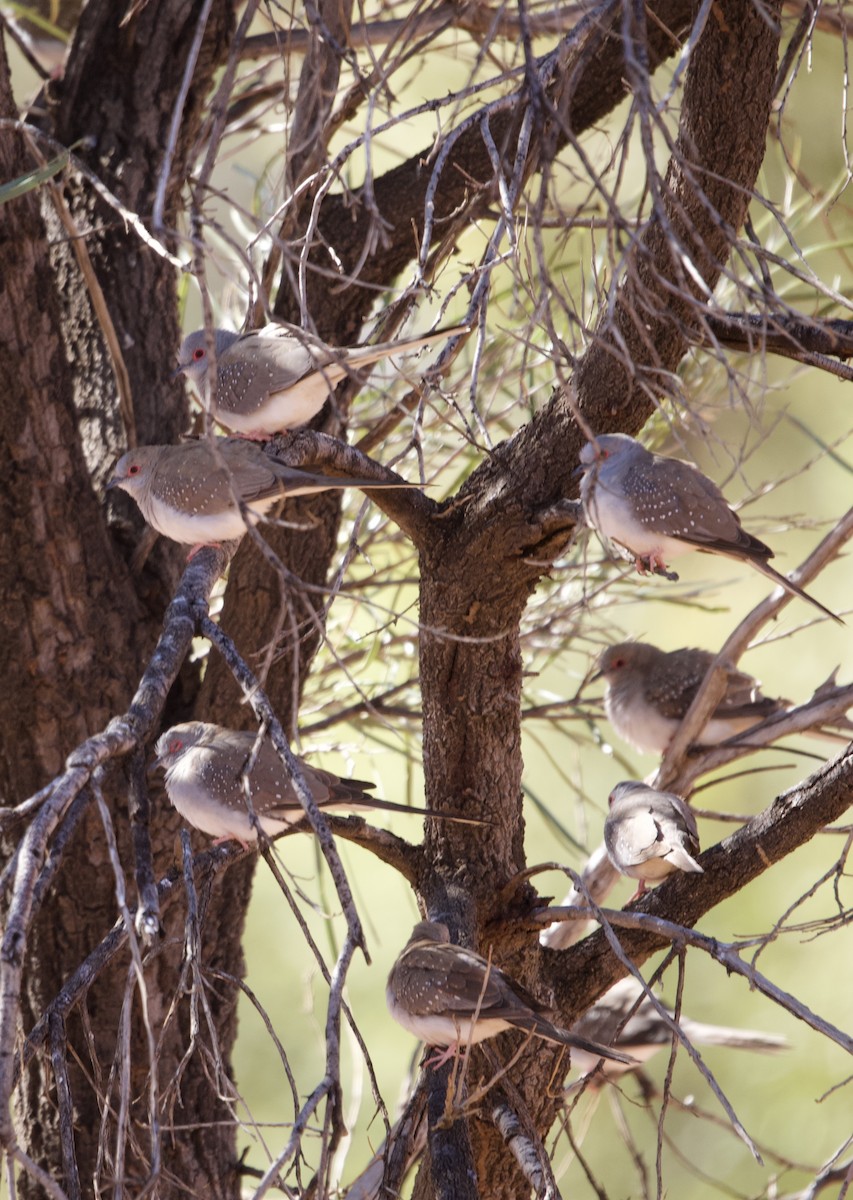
(814, 714)
(65, 1104)
(157, 216)
(678, 1033)
(138, 975)
(139, 810)
(728, 954)
(269, 858)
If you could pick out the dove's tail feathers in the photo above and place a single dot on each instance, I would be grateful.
(741, 1039)
(364, 355)
(308, 483)
(552, 1033)
(679, 857)
(793, 588)
(358, 802)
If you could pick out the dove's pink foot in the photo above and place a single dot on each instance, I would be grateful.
(440, 1057)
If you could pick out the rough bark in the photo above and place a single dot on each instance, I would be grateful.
(69, 663)
(64, 637)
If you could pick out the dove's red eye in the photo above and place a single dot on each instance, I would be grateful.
(133, 469)
(199, 354)
(175, 746)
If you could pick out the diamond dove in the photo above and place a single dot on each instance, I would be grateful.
(649, 834)
(646, 1031)
(656, 508)
(279, 377)
(649, 691)
(205, 768)
(449, 996)
(190, 492)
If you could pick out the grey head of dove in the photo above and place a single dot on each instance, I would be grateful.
(649, 834)
(190, 492)
(646, 1031)
(279, 377)
(654, 508)
(649, 691)
(207, 772)
(449, 996)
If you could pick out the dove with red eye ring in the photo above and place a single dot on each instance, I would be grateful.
(206, 776)
(279, 377)
(654, 508)
(191, 492)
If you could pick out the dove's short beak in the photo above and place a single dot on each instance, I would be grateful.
(580, 470)
(114, 482)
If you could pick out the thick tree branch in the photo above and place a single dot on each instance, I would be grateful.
(790, 821)
(409, 507)
(814, 342)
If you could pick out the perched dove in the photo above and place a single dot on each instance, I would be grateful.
(646, 1032)
(649, 834)
(187, 492)
(448, 996)
(649, 691)
(204, 766)
(279, 377)
(656, 508)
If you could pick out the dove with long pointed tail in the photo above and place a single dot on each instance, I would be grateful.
(279, 377)
(449, 996)
(646, 1030)
(191, 493)
(656, 508)
(208, 769)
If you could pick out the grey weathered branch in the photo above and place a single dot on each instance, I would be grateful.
(528, 1153)
(588, 968)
